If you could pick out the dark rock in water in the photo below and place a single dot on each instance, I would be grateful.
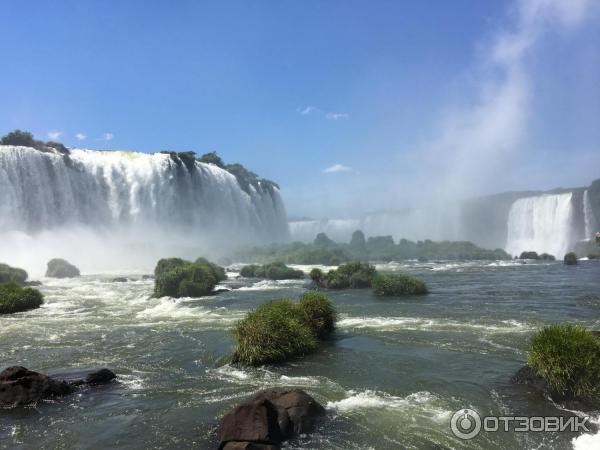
(59, 268)
(303, 411)
(221, 290)
(526, 375)
(269, 418)
(119, 280)
(529, 255)
(570, 259)
(250, 446)
(547, 257)
(32, 283)
(251, 422)
(20, 386)
(101, 376)
(147, 277)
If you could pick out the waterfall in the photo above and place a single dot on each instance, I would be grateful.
(121, 193)
(541, 224)
(588, 215)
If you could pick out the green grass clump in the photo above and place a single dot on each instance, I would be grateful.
(281, 329)
(318, 312)
(354, 275)
(12, 274)
(15, 298)
(567, 357)
(397, 285)
(176, 277)
(570, 259)
(273, 271)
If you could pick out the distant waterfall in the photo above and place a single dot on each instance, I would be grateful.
(588, 215)
(44, 190)
(542, 224)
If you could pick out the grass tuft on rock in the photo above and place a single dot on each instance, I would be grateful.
(15, 298)
(10, 274)
(355, 275)
(176, 277)
(389, 285)
(273, 271)
(567, 357)
(281, 329)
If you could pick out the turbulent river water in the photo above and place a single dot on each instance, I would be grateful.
(391, 376)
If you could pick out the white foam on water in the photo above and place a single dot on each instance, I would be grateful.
(421, 403)
(267, 285)
(424, 324)
(171, 309)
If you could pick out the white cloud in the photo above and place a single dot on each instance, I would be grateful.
(337, 168)
(107, 137)
(54, 135)
(307, 110)
(80, 136)
(337, 116)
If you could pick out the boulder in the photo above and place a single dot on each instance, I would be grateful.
(254, 421)
(570, 259)
(59, 268)
(102, 376)
(529, 255)
(527, 376)
(269, 418)
(250, 446)
(119, 280)
(21, 386)
(304, 412)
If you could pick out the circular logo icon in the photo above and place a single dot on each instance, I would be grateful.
(465, 424)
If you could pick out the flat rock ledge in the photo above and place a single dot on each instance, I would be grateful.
(266, 420)
(20, 386)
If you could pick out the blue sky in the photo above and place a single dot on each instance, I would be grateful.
(350, 105)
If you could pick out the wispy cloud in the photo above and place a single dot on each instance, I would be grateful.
(337, 116)
(337, 168)
(54, 135)
(107, 137)
(80, 136)
(308, 110)
(313, 110)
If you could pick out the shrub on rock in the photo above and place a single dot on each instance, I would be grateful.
(175, 277)
(398, 285)
(15, 298)
(10, 274)
(529, 255)
(318, 313)
(567, 357)
(59, 268)
(570, 259)
(281, 329)
(354, 275)
(273, 271)
(547, 257)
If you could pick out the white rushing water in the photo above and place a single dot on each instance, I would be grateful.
(131, 197)
(588, 216)
(542, 224)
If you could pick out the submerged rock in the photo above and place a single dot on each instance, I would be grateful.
(21, 386)
(527, 376)
(119, 280)
(268, 419)
(59, 268)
